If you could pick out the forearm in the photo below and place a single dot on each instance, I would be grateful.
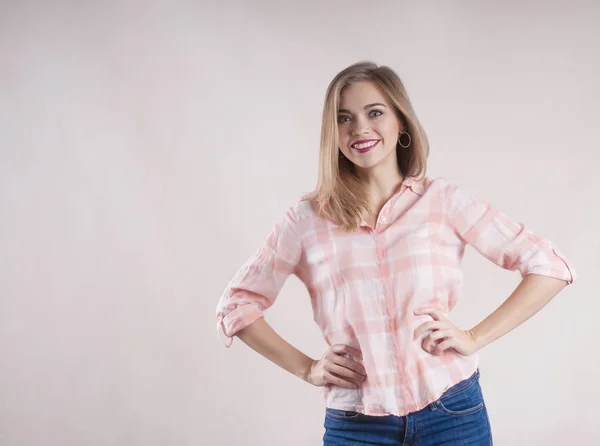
(530, 296)
(261, 337)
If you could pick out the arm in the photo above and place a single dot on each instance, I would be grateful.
(530, 296)
(255, 288)
(256, 285)
(510, 245)
(261, 337)
(502, 240)
(333, 368)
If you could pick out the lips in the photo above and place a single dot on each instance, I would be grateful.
(364, 145)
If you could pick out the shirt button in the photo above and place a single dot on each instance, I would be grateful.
(382, 218)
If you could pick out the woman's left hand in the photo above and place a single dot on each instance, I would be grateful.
(463, 341)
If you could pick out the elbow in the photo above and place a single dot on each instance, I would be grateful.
(235, 321)
(550, 262)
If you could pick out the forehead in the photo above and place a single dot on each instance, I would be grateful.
(356, 95)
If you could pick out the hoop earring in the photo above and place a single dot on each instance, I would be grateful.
(409, 140)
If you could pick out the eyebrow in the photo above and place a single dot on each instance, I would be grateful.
(343, 110)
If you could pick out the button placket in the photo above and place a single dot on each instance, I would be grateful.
(389, 299)
(379, 250)
(380, 254)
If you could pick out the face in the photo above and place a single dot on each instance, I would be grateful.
(368, 126)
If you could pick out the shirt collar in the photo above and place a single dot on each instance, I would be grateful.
(415, 185)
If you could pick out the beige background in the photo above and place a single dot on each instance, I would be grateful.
(146, 150)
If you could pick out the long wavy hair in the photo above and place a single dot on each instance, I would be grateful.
(340, 195)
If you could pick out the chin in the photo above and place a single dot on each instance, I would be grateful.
(367, 162)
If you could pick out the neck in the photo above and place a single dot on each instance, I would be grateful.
(381, 183)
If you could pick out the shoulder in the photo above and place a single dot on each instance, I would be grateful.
(459, 197)
(446, 186)
(449, 192)
(435, 185)
(304, 208)
(299, 211)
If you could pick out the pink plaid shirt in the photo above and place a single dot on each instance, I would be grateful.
(365, 285)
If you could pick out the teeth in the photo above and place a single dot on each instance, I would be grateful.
(364, 145)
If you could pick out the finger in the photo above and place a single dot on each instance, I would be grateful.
(332, 379)
(345, 373)
(342, 348)
(439, 334)
(348, 357)
(423, 328)
(445, 345)
(431, 325)
(427, 346)
(431, 342)
(421, 311)
(436, 314)
(349, 364)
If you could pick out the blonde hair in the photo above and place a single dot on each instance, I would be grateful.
(340, 195)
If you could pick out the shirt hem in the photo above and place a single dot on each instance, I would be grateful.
(415, 408)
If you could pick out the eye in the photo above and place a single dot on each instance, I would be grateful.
(371, 113)
(342, 119)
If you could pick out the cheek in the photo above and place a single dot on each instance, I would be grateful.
(390, 129)
(343, 140)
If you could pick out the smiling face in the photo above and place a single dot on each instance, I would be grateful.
(368, 126)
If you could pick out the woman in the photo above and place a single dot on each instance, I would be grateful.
(378, 245)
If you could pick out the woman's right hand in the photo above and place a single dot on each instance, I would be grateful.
(334, 368)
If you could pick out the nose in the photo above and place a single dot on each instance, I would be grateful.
(360, 127)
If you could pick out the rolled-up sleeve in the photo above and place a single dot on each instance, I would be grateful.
(502, 240)
(258, 282)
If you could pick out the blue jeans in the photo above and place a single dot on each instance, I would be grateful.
(459, 417)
